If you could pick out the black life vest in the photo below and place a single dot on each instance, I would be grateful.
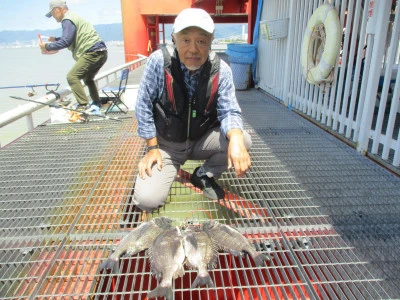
(176, 116)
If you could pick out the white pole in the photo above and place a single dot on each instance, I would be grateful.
(380, 18)
(29, 121)
(289, 50)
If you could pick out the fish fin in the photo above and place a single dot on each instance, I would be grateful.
(162, 222)
(213, 263)
(143, 228)
(235, 252)
(203, 280)
(229, 230)
(259, 258)
(133, 250)
(188, 264)
(156, 274)
(149, 253)
(161, 291)
(180, 272)
(110, 264)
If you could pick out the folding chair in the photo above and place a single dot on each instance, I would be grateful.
(114, 94)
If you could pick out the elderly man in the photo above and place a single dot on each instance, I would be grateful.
(88, 50)
(187, 110)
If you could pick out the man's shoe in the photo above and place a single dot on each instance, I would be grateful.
(80, 107)
(93, 110)
(208, 185)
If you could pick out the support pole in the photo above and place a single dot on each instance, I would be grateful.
(134, 26)
(379, 32)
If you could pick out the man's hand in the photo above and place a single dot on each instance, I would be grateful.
(43, 49)
(152, 157)
(238, 157)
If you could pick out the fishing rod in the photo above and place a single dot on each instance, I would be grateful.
(84, 114)
(32, 86)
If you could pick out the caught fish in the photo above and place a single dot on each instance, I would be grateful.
(137, 240)
(166, 257)
(200, 254)
(228, 239)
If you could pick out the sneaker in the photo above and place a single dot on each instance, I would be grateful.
(93, 110)
(80, 107)
(97, 103)
(208, 185)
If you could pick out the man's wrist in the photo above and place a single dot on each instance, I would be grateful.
(233, 133)
(153, 147)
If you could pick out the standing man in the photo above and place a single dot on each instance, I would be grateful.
(187, 110)
(88, 50)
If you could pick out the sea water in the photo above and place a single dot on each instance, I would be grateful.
(28, 66)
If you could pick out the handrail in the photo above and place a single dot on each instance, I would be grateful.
(28, 109)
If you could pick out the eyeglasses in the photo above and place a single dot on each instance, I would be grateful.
(199, 42)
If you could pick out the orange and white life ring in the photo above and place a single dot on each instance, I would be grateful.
(317, 71)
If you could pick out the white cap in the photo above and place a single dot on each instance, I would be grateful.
(55, 3)
(193, 17)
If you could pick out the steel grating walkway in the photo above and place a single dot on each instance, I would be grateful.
(327, 215)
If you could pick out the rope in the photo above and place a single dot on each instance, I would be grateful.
(319, 36)
(317, 41)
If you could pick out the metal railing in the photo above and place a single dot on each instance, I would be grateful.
(26, 111)
(362, 105)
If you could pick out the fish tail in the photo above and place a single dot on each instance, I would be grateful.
(203, 279)
(259, 258)
(110, 263)
(161, 291)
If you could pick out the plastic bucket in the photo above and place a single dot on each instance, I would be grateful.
(240, 57)
(241, 53)
(241, 75)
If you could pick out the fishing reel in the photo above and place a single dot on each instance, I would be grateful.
(49, 91)
(33, 93)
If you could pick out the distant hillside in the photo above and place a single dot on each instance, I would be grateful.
(108, 32)
(224, 31)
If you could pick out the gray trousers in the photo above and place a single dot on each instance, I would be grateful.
(151, 193)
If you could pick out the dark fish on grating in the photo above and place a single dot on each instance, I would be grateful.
(229, 239)
(137, 240)
(166, 257)
(200, 254)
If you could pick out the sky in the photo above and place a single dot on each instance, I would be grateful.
(30, 14)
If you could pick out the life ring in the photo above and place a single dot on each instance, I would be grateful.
(317, 72)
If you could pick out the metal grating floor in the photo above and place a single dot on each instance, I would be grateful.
(327, 215)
